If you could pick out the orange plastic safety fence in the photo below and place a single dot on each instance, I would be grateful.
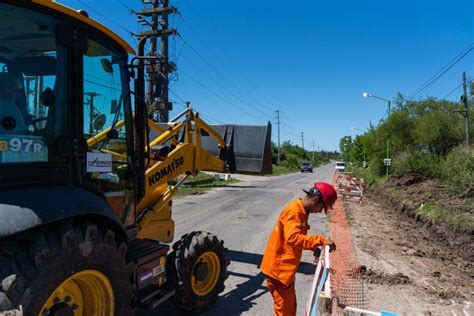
(346, 281)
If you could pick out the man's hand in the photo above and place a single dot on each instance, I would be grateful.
(316, 254)
(332, 245)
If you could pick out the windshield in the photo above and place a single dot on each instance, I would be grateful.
(105, 89)
(306, 164)
(340, 164)
(33, 81)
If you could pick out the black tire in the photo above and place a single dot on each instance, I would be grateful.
(181, 261)
(32, 266)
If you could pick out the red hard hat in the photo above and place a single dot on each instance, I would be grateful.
(328, 193)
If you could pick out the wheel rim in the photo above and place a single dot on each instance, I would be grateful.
(88, 292)
(205, 285)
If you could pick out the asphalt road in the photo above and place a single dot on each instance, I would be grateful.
(243, 215)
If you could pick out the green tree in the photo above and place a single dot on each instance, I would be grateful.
(345, 145)
(438, 131)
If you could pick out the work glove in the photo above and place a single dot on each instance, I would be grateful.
(316, 253)
(332, 245)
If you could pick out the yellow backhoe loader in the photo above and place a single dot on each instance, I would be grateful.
(87, 178)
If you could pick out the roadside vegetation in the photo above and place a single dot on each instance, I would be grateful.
(201, 183)
(427, 142)
(291, 157)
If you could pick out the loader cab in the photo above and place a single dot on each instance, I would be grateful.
(65, 108)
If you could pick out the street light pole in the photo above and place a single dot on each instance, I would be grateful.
(388, 144)
(367, 95)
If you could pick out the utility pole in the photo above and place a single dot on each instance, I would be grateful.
(465, 113)
(313, 150)
(92, 113)
(302, 140)
(278, 124)
(152, 69)
(159, 66)
(165, 68)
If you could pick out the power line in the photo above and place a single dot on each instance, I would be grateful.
(219, 84)
(219, 73)
(195, 51)
(442, 71)
(102, 85)
(287, 119)
(289, 137)
(107, 18)
(447, 78)
(289, 129)
(126, 7)
(452, 91)
(236, 77)
(174, 93)
(209, 118)
(214, 39)
(184, 105)
(105, 81)
(222, 98)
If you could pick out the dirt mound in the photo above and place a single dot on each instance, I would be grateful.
(420, 190)
(405, 180)
(407, 193)
(407, 267)
(374, 276)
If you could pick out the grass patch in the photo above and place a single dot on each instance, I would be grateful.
(392, 192)
(433, 212)
(282, 169)
(200, 176)
(198, 189)
(406, 202)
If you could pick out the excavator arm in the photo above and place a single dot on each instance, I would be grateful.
(183, 147)
(177, 151)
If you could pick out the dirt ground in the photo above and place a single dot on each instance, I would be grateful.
(404, 269)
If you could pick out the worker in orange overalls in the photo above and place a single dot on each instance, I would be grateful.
(287, 242)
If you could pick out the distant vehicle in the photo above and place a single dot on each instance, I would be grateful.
(306, 166)
(340, 166)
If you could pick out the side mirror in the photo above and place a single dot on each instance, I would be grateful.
(47, 97)
(107, 66)
(99, 122)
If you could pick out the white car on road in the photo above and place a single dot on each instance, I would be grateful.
(340, 166)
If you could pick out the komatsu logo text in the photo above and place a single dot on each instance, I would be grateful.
(166, 171)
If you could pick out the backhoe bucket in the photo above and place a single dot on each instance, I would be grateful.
(249, 147)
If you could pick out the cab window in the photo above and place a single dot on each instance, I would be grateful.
(106, 96)
(33, 81)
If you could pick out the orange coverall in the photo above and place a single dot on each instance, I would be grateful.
(283, 254)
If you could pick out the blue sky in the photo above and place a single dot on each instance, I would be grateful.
(239, 61)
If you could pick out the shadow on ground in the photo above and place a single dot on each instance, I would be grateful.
(238, 300)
